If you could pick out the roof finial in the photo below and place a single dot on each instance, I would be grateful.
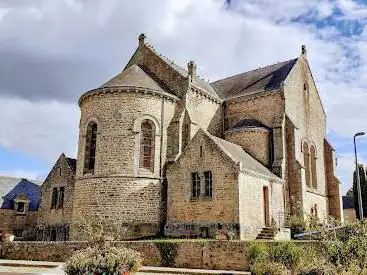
(141, 39)
(303, 49)
(191, 68)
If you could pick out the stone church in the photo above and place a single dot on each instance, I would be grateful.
(162, 151)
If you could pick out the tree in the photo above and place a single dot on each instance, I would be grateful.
(362, 175)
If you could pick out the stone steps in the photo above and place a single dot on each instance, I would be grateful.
(266, 233)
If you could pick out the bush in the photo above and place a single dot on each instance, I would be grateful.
(269, 268)
(257, 252)
(107, 260)
(285, 253)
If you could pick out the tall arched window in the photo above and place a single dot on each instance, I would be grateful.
(147, 143)
(313, 166)
(306, 163)
(90, 147)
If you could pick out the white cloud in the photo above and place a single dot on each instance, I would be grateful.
(41, 129)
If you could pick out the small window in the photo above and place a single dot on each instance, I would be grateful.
(208, 184)
(201, 151)
(20, 207)
(54, 198)
(18, 233)
(61, 198)
(195, 185)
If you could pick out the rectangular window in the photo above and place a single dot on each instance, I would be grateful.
(195, 185)
(20, 207)
(208, 183)
(61, 198)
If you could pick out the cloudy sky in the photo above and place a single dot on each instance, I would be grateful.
(51, 51)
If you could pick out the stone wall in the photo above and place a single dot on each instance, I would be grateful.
(11, 221)
(224, 255)
(223, 206)
(304, 109)
(118, 189)
(61, 175)
(252, 203)
(255, 141)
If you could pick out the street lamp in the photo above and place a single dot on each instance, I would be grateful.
(358, 178)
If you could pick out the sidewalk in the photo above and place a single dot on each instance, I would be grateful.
(12, 267)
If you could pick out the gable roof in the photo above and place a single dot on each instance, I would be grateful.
(11, 187)
(262, 79)
(238, 155)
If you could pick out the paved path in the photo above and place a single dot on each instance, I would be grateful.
(12, 267)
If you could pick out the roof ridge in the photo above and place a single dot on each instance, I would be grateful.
(254, 70)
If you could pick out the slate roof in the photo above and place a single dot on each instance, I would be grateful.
(348, 202)
(238, 155)
(133, 76)
(249, 123)
(72, 163)
(262, 79)
(11, 187)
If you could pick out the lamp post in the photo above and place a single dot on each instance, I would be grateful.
(358, 177)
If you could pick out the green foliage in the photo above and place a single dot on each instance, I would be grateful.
(274, 259)
(168, 253)
(286, 253)
(269, 268)
(257, 252)
(108, 260)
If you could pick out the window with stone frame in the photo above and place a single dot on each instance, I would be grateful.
(185, 135)
(195, 185)
(313, 167)
(208, 181)
(21, 207)
(306, 163)
(61, 198)
(147, 143)
(54, 198)
(90, 147)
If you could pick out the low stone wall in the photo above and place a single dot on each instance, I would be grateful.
(226, 255)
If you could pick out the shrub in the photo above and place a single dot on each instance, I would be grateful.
(285, 253)
(257, 251)
(269, 268)
(107, 260)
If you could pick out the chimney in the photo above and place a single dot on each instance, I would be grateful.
(304, 50)
(141, 40)
(191, 68)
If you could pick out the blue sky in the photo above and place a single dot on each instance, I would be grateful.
(54, 50)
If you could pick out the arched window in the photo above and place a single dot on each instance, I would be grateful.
(147, 143)
(90, 147)
(313, 166)
(306, 163)
(54, 198)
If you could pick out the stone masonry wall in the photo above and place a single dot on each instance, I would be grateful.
(224, 255)
(118, 189)
(333, 184)
(251, 203)
(256, 142)
(61, 175)
(304, 109)
(222, 207)
(10, 220)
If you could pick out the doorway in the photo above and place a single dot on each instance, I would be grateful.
(266, 206)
